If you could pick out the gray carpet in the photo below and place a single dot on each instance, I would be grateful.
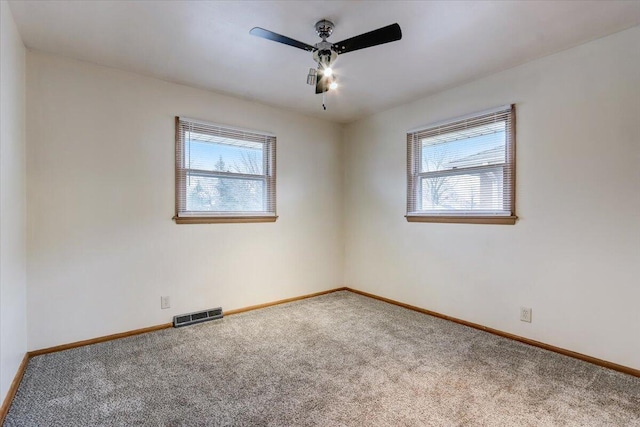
(336, 360)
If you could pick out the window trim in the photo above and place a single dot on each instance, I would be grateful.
(223, 219)
(464, 219)
(185, 217)
(468, 217)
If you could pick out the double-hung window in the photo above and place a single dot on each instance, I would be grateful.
(463, 170)
(224, 174)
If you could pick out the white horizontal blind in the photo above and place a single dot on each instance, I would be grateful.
(463, 167)
(224, 172)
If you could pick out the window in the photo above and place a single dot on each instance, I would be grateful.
(224, 174)
(463, 170)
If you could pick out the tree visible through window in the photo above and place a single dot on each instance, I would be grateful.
(463, 170)
(223, 174)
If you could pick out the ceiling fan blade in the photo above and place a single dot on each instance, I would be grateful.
(270, 35)
(383, 35)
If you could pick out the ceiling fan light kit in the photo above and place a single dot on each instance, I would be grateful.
(325, 53)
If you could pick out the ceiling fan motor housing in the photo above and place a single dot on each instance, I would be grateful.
(325, 57)
(324, 28)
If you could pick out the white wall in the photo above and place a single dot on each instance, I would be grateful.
(574, 255)
(13, 282)
(102, 247)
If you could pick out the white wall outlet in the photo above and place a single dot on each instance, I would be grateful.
(164, 302)
(525, 314)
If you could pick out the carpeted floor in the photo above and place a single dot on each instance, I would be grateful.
(336, 360)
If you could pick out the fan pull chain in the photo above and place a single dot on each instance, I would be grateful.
(323, 101)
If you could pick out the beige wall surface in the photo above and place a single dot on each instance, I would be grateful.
(102, 248)
(13, 208)
(574, 255)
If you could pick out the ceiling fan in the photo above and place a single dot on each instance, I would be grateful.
(325, 52)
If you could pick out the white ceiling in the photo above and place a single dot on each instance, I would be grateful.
(207, 44)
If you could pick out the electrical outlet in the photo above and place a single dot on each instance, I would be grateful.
(164, 302)
(525, 314)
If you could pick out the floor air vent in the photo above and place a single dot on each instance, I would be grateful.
(197, 317)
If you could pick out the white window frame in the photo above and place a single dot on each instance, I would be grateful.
(415, 173)
(184, 216)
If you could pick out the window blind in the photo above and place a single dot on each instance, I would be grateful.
(223, 171)
(463, 167)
